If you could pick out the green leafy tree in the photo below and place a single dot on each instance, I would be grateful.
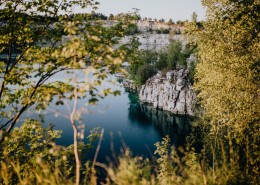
(145, 72)
(170, 22)
(174, 51)
(47, 43)
(111, 17)
(228, 71)
(37, 42)
(143, 68)
(162, 61)
(227, 77)
(30, 155)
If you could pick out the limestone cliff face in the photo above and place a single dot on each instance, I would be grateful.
(172, 92)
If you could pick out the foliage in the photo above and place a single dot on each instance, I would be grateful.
(170, 22)
(172, 166)
(180, 23)
(173, 52)
(93, 16)
(145, 59)
(194, 17)
(130, 171)
(178, 54)
(181, 167)
(162, 31)
(46, 47)
(150, 61)
(28, 141)
(47, 43)
(227, 74)
(132, 29)
(227, 81)
(145, 72)
(192, 72)
(162, 61)
(136, 16)
(29, 154)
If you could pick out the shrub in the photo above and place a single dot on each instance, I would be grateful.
(162, 61)
(173, 52)
(150, 61)
(162, 31)
(192, 72)
(29, 155)
(144, 73)
(131, 170)
(132, 29)
(148, 57)
(158, 31)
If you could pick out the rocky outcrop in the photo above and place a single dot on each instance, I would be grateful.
(171, 92)
(129, 84)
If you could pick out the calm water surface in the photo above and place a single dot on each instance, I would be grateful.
(126, 123)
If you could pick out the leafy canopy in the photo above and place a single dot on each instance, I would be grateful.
(39, 39)
(227, 80)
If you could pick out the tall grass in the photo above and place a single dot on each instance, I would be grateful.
(218, 160)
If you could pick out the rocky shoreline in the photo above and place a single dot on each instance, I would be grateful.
(171, 92)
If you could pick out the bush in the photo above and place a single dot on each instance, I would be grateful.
(144, 73)
(187, 51)
(192, 73)
(132, 29)
(162, 31)
(150, 61)
(158, 31)
(148, 57)
(29, 155)
(174, 52)
(162, 61)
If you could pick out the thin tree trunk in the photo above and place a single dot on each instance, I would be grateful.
(76, 152)
(74, 126)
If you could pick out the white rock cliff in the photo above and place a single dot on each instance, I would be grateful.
(171, 92)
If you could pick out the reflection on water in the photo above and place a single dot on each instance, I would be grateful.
(126, 122)
(177, 127)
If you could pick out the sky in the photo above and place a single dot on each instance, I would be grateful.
(174, 9)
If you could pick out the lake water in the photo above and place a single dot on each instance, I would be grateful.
(126, 123)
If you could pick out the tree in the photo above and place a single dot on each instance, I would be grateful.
(162, 20)
(48, 43)
(194, 17)
(227, 77)
(180, 23)
(43, 51)
(170, 22)
(111, 17)
(173, 56)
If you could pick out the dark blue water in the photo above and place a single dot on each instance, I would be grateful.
(127, 123)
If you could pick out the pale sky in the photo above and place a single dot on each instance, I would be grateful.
(174, 9)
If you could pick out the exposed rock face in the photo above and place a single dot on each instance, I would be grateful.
(153, 41)
(129, 84)
(172, 92)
